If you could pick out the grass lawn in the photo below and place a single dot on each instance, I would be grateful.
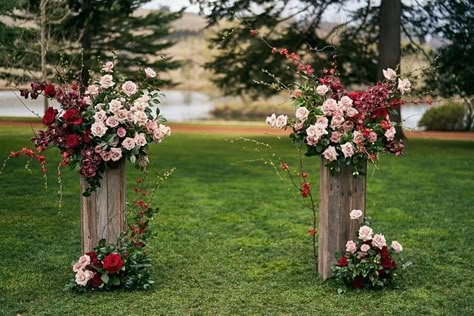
(232, 238)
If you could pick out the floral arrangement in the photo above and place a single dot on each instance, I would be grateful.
(346, 128)
(100, 124)
(125, 264)
(367, 262)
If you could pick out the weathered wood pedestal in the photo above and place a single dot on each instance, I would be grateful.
(103, 214)
(339, 194)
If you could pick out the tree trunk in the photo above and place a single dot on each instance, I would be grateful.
(43, 45)
(389, 47)
(103, 213)
(339, 194)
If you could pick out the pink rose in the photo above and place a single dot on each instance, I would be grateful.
(357, 137)
(281, 121)
(98, 129)
(345, 102)
(347, 126)
(311, 140)
(121, 132)
(108, 66)
(115, 154)
(351, 112)
(378, 241)
(335, 137)
(122, 115)
(128, 143)
(150, 73)
(98, 149)
(92, 90)
(140, 118)
(329, 107)
(140, 139)
(161, 132)
(112, 121)
(271, 120)
(129, 88)
(87, 99)
(351, 246)
(298, 126)
(347, 149)
(330, 153)
(83, 261)
(365, 248)
(390, 133)
(100, 116)
(404, 86)
(302, 113)
(356, 214)
(365, 233)
(322, 89)
(106, 155)
(82, 277)
(107, 81)
(322, 121)
(396, 246)
(389, 74)
(336, 121)
(372, 137)
(115, 105)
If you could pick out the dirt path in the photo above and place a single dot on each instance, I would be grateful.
(243, 129)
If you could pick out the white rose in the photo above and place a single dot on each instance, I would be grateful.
(98, 129)
(356, 214)
(281, 121)
(378, 241)
(404, 86)
(302, 113)
(351, 246)
(396, 246)
(389, 74)
(150, 73)
(365, 233)
(129, 88)
(107, 81)
(322, 89)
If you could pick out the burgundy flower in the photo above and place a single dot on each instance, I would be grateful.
(49, 116)
(95, 262)
(358, 282)
(113, 263)
(96, 281)
(72, 140)
(342, 262)
(72, 116)
(49, 90)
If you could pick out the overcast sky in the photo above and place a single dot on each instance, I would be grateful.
(331, 15)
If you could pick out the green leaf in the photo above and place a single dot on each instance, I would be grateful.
(115, 280)
(105, 278)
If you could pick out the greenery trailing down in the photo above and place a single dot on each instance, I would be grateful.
(232, 240)
(448, 117)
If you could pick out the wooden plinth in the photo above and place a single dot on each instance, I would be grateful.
(339, 194)
(103, 213)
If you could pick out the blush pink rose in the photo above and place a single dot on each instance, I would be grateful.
(115, 105)
(302, 113)
(100, 116)
(98, 129)
(150, 73)
(378, 241)
(347, 149)
(329, 107)
(298, 126)
(83, 261)
(347, 126)
(351, 246)
(122, 115)
(82, 277)
(140, 118)
(105, 155)
(107, 81)
(93, 90)
(404, 86)
(330, 153)
(337, 121)
(322, 89)
(335, 137)
(115, 154)
(271, 120)
(356, 214)
(389, 74)
(365, 233)
(129, 88)
(396, 246)
(140, 139)
(345, 102)
(390, 133)
(322, 121)
(281, 121)
(108, 66)
(121, 132)
(351, 112)
(357, 137)
(365, 248)
(112, 121)
(128, 143)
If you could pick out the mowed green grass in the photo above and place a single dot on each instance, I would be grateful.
(232, 237)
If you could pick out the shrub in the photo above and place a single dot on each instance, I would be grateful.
(448, 117)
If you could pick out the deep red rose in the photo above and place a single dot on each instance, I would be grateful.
(342, 262)
(49, 116)
(355, 95)
(384, 252)
(388, 263)
(380, 112)
(72, 116)
(385, 125)
(85, 137)
(358, 282)
(96, 281)
(95, 262)
(49, 90)
(113, 263)
(72, 140)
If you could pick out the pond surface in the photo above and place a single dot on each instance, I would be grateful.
(176, 106)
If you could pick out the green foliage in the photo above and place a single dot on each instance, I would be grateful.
(255, 111)
(232, 240)
(448, 117)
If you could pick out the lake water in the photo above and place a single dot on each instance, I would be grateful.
(176, 106)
